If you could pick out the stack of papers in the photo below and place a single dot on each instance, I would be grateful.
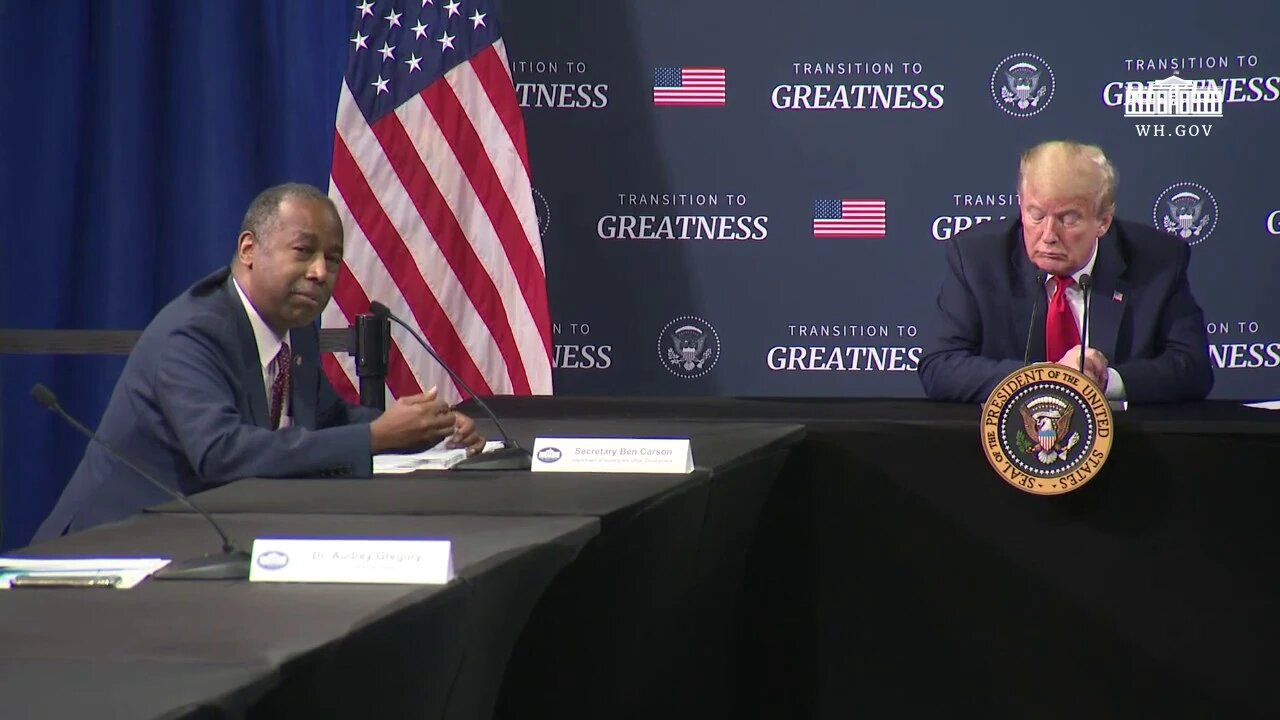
(1265, 404)
(118, 573)
(437, 458)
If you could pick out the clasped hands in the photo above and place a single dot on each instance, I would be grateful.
(1095, 364)
(421, 421)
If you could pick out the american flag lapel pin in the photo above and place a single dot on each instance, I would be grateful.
(1117, 296)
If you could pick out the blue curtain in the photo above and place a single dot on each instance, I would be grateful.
(134, 135)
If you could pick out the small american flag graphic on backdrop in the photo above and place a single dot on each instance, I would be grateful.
(849, 218)
(689, 86)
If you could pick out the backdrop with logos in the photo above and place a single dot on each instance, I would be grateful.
(736, 198)
(752, 198)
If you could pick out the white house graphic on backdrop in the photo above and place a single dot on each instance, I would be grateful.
(1173, 97)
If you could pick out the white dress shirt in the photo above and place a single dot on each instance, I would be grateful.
(268, 345)
(1075, 298)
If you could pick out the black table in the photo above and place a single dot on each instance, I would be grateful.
(893, 574)
(888, 571)
(651, 603)
(1151, 592)
(213, 649)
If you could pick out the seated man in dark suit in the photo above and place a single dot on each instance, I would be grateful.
(226, 383)
(1147, 341)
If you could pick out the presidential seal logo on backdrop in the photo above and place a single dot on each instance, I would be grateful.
(688, 347)
(1022, 84)
(543, 211)
(1187, 210)
(1046, 429)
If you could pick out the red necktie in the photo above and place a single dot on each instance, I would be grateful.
(1060, 331)
(280, 386)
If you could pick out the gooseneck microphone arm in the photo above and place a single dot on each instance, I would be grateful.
(1040, 277)
(1086, 284)
(511, 456)
(231, 564)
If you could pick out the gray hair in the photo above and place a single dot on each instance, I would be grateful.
(263, 212)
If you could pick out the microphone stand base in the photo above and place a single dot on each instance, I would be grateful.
(507, 458)
(219, 566)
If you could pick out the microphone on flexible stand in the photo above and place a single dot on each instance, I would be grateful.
(230, 564)
(1086, 284)
(1040, 277)
(510, 456)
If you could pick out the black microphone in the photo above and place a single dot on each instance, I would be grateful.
(1040, 277)
(372, 345)
(510, 456)
(230, 564)
(1086, 284)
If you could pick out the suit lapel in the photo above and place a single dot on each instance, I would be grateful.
(1026, 294)
(250, 365)
(1109, 295)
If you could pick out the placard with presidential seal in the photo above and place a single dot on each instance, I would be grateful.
(1046, 429)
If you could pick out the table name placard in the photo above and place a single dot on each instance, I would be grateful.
(408, 562)
(620, 455)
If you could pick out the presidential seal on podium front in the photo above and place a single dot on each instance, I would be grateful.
(1046, 429)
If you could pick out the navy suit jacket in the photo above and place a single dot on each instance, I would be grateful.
(190, 407)
(1142, 315)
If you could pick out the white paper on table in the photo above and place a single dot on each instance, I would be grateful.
(437, 458)
(1265, 404)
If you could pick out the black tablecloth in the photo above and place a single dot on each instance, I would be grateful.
(644, 623)
(895, 575)
(888, 571)
(281, 650)
(1215, 417)
(651, 603)
(1151, 592)
(718, 448)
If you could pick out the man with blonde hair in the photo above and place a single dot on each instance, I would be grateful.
(1146, 335)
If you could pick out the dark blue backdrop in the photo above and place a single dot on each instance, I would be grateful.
(136, 132)
(786, 307)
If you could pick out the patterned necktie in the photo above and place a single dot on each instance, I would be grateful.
(1060, 331)
(280, 386)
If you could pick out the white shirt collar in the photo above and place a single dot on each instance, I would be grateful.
(268, 341)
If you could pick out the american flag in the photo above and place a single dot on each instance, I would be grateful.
(848, 219)
(687, 86)
(431, 177)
